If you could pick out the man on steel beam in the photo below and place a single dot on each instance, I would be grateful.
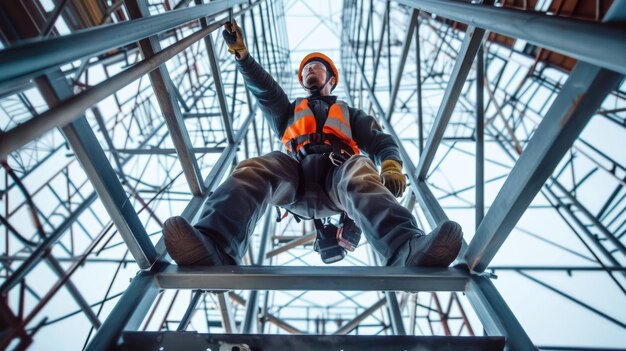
(322, 173)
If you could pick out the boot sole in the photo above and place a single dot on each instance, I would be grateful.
(444, 248)
(184, 245)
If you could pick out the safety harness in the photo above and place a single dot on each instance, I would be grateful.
(335, 141)
(302, 137)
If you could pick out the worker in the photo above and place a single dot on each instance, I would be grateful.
(322, 173)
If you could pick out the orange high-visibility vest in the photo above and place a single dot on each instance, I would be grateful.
(303, 130)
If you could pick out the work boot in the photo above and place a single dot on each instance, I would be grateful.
(437, 249)
(187, 246)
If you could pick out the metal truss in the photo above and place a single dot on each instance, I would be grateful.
(115, 115)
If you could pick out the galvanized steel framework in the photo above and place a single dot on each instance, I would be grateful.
(152, 115)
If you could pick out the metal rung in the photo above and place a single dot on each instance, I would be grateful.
(314, 278)
(216, 342)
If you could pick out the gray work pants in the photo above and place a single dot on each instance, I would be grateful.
(313, 188)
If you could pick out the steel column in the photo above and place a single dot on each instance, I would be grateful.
(163, 90)
(395, 314)
(405, 51)
(127, 313)
(251, 316)
(580, 97)
(495, 315)
(217, 78)
(487, 302)
(226, 313)
(55, 88)
(480, 137)
(471, 43)
(184, 322)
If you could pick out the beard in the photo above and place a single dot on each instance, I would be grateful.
(312, 82)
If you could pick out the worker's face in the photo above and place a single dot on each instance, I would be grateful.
(314, 75)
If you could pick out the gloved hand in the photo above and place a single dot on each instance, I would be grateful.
(234, 40)
(392, 177)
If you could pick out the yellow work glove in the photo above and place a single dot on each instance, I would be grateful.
(392, 177)
(234, 39)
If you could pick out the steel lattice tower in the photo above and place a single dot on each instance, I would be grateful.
(117, 114)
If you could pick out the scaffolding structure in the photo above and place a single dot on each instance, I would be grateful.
(510, 116)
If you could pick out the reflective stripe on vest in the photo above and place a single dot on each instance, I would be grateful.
(337, 124)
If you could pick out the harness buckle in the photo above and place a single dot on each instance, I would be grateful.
(337, 159)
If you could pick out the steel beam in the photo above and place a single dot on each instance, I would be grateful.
(480, 137)
(34, 57)
(73, 291)
(197, 341)
(35, 257)
(395, 315)
(163, 90)
(580, 97)
(251, 315)
(597, 224)
(217, 78)
(282, 324)
(55, 88)
(127, 313)
(495, 315)
(401, 64)
(418, 68)
(352, 324)
(604, 44)
(109, 189)
(471, 43)
(303, 240)
(487, 302)
(309, 278)
(73, 107)
(168, 151)
(184, 322)
(226, 313)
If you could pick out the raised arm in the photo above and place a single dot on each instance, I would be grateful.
(271, 97)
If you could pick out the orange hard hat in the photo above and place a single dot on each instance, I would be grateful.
(318, 56)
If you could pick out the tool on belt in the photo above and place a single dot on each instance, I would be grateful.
(332, 242)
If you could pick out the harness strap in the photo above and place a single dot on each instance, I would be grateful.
(317, 139)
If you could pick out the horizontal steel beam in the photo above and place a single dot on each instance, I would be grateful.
(604, 44)
(36, 56)
(196, 341)
(311, 278)
(166, 151)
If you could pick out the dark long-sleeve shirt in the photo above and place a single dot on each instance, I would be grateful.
(279, 112)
